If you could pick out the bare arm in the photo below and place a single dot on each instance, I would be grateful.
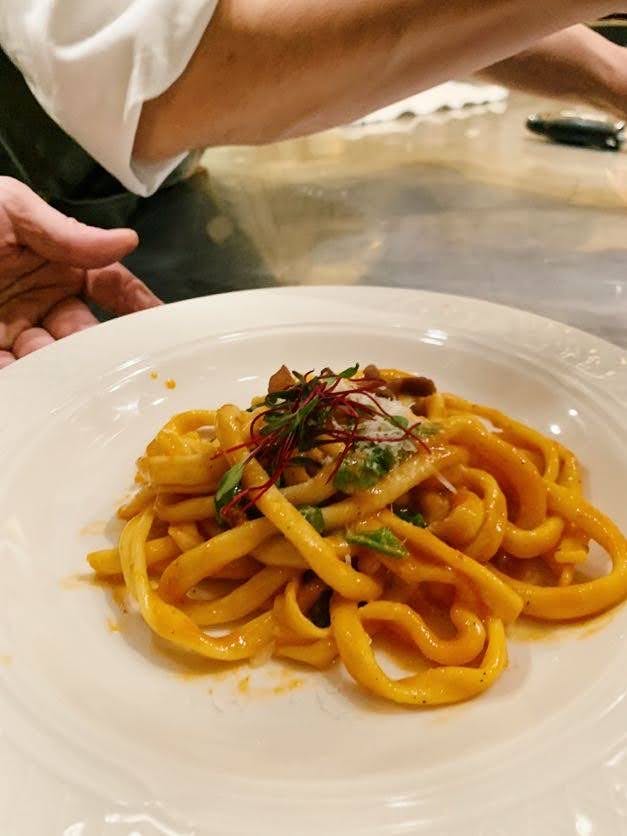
(270, 69)
(575, 64)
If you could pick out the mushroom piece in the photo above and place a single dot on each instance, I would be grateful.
(281, 380)
(371, 372)
(417, 387)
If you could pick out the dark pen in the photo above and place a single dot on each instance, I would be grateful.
(587, 132)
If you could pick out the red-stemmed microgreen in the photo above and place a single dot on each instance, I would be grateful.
(316, 411)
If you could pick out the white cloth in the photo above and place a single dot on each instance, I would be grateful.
(452, 95)
(92, 64)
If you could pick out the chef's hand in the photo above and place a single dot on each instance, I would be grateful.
(47, 263)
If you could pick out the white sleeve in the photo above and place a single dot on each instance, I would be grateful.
(92, 64)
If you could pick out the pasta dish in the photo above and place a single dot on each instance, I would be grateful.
(341, 509)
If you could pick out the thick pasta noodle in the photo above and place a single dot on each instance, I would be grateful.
(344, 510)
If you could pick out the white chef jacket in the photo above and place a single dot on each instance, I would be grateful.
(91, 64)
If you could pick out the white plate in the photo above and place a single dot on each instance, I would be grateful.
(101, 732)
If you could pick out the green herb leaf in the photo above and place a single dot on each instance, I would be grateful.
(291, 423)
(364, 467)
(303, 441)
(274, 422)
(381, 540)
(228, 487)
(413, 517)
(284, 395)
(300, 377)
(400, 421)
(314, 517)
(426, 429)
(347, 373)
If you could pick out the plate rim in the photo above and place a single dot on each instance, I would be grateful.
(441, 298)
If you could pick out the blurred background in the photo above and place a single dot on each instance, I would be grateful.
(456, 196)
(614, 28)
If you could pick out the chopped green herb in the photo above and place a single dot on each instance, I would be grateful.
(381, 540)
(348, 373)
(228, 487)
(426, 429)
(413, 517)
(400, 421)
(301, 424)
(363, 467)
(313, 516)
(300, 377)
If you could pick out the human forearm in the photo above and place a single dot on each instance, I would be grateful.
(266, 70)
(575, 65)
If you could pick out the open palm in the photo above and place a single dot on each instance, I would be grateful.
(48, 264)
